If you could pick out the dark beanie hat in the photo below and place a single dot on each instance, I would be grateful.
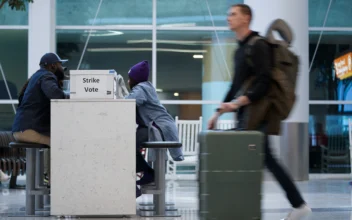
(139, 72)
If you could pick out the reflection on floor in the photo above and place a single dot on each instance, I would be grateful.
(330, 198)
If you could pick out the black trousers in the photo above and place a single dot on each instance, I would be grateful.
(141, 136)
(292, 193)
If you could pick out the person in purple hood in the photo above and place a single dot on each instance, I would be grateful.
(149, 109)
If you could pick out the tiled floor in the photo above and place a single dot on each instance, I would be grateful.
(329, 197)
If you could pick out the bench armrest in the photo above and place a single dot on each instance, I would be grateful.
(161, 144)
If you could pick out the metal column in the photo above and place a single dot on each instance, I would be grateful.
(39, 200)
(30, 180)
(294, 149)
(159, 199)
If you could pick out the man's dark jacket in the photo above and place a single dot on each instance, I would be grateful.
(254, 81)
(33, 111)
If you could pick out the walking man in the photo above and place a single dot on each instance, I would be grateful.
(239, 19)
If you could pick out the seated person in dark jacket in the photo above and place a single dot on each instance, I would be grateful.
(32, 120)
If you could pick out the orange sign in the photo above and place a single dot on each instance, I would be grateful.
(343, 66)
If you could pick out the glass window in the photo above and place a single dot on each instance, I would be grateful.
(105, 50)
(7, 115)
(191, 13)
(328, 137)
(184, 112)
(190, 64)
(14, 61)
(195, 111)
(339, 15)
(327, 83)
(13, 17)
(112, 12)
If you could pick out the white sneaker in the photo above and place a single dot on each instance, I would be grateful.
(3, 177)
(299, 213)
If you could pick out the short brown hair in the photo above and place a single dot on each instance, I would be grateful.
(245, 9)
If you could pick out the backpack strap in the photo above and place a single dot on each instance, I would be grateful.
(284, 31)
(248, 49)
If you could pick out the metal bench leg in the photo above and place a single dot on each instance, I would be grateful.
(30, 181)
(13, 181)
(47, 200)
(39, 171)
(159, 199)
(47, 153)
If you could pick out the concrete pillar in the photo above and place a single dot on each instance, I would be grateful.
(217, 78)
(41, 32)
(41, 38)
(294, 150)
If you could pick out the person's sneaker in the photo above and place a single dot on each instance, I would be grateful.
(147, 178)
(179, 158)
(3, 177)
(299, 213)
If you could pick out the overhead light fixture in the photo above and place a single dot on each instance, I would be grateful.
(176, 94)
(178, 25)
(198, 56)
(101, 33)
(178, 42)
(123, 49)
(159, 90)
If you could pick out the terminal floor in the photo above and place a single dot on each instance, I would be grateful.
(330, 198)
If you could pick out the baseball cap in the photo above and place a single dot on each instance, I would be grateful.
(50, 58)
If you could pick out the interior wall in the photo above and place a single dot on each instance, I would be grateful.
(190, 112)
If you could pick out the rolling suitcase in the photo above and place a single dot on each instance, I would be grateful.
(230, 175)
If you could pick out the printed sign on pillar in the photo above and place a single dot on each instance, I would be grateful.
(343, 66)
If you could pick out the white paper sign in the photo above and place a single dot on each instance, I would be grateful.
(92, 84)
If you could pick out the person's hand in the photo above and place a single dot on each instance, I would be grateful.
(228, 107)
(213, 120)
(61, 84)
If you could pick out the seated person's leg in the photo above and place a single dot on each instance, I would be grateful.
(32, 136)
(141, 164)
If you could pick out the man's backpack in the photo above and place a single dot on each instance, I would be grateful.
(285, 67)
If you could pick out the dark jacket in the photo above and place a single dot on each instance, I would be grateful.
(34, 110)
(255, 83)
(260, 113)
(243, 71)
